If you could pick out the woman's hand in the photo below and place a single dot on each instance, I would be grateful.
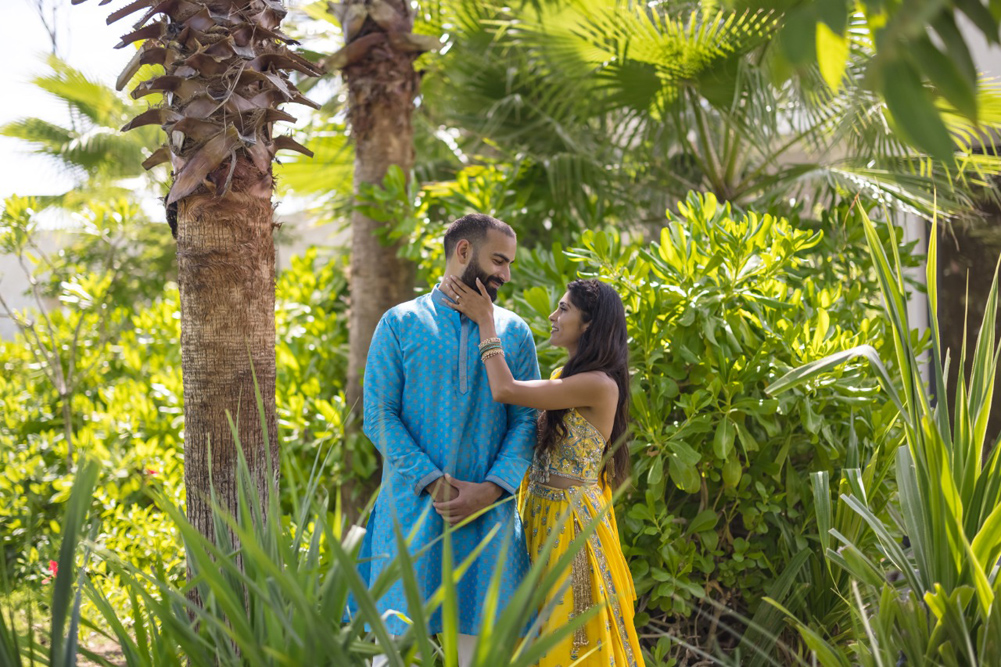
(474, 304)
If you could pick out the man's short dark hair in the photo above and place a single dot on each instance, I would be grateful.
(473, 228)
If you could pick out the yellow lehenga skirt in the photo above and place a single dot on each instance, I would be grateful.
(598, 575)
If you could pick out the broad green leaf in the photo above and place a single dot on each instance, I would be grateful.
(798, 34)
(656, 474)
(946, 77)
(981, 17)
(705, 520)
(723, 440)
(832, 55)
(732, 471)
(956, 47)
(913, 111)
(538, 298)
(834, 13)
(823, 326)
(686, 476)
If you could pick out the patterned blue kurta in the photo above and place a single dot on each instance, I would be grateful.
(429, 411)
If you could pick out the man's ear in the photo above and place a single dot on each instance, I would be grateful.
(464, 250)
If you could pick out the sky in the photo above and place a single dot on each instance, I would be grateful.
(86, 42)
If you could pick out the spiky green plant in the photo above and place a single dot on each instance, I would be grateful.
(933, 596)
(16, 651)
(274, 590)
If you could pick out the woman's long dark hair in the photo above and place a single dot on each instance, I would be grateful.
(604, 346)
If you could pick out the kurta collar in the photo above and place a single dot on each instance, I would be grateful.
(441, 299)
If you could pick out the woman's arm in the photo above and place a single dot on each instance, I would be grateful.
(579, 391)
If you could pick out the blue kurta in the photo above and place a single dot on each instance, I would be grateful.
(428, 410)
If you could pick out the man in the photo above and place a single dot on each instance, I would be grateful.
(429, 411)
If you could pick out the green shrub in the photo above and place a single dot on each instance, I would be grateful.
(721, 303)
(718, 305)
(127, 416)
(311, 358)
(126, 403)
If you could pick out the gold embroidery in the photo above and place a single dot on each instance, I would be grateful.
(580, 578)
(576, 456)
(584, 516)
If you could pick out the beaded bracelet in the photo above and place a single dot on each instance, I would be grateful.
(492, 353)
(489, 342)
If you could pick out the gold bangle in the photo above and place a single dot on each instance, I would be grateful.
(492, 353)
(489, 341)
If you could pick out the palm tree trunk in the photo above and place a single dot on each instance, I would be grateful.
(226, 274)
(966, 271)
(382, 85)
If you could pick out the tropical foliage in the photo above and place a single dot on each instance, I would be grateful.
(125, 400)
(721, 513)
(926, 587)
(288, 593)
(922, 63)
(767, 522)
(612, 112)
(103, 162)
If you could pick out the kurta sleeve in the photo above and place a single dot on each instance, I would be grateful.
(383, 399)
(515, 454)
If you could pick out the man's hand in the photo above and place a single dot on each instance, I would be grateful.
(472, 497)
(441, 491)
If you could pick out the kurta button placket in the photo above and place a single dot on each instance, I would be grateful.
(464, 355)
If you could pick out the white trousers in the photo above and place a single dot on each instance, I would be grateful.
(467, 643)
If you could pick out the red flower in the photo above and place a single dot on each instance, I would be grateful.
(150, 471)
(53, 570)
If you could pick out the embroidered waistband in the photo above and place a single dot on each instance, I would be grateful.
(555, 493)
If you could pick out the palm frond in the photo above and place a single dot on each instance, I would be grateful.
(47, 137)
(91, 147)
(86, 98)
(328, 173)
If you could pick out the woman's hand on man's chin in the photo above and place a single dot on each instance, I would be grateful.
(474, 304)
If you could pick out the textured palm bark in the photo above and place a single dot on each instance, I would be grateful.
(225, 76)
(226, 275)
(382, 86)
(966, 270)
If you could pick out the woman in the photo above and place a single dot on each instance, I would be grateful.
(585, 406)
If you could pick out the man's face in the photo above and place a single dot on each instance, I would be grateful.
(491, 262)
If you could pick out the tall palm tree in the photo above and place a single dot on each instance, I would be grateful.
(377, 63)
(225, 74)
(377, 67)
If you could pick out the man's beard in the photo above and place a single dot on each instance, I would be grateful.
(473, 271)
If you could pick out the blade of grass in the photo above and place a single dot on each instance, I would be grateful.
(77, 507)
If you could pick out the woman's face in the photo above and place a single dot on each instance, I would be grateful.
(568, 324)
